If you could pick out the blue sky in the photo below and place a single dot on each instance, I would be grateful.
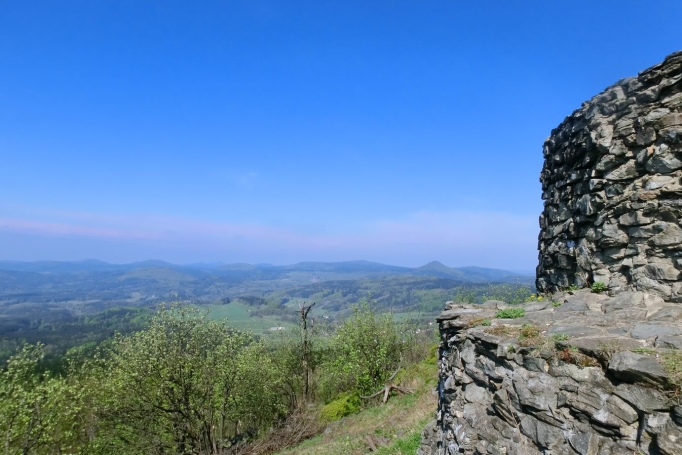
(263, 131)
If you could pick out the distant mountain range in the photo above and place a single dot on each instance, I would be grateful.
(322, 270)
(65, 304)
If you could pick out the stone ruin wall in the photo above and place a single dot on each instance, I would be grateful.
(584, 374)
(612, 189)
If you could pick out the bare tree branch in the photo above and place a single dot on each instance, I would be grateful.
(387, 388)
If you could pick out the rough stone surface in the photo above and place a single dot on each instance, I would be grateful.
(576, 375)
(612, 189)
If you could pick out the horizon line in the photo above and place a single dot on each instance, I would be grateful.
(258, 264)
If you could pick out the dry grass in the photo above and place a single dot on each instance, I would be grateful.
(475, 322)
(503, 330)
(672, 363)
(575, 357)
(529, 335)
(296, 429)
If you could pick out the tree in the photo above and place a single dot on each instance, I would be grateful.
(365, 349)
(39, 412)
(186, 385)
(298, 354)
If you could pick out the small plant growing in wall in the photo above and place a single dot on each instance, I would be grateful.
(479, 322)
(672, 363)
(598, 287)
(560, 337)
(511, 313)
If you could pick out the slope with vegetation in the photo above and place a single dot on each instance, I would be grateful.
(191, 385)
(69, 305)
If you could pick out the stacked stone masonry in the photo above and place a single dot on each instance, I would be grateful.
(585, 374)
(612, 189)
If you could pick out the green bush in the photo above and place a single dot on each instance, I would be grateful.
(40, 413)
(560, 337)
(511, 313)
(363, 353)
(187, 384)
(184, 385)
(345, 404)
(598, 287)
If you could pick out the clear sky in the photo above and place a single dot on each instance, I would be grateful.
(270, 131)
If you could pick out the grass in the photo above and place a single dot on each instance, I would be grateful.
(403, 446)
(572, 355)
(529, 335)
(502, 330)
(399, 421)
(560, 337)
(479, 322)
(511, 313)
(238, 316)
(598, 287)
(405, 415)
(647, 351)
(672, 363)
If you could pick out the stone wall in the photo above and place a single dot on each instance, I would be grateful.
(612, 188)
(577, 375)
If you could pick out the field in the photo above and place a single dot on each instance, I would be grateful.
(239, 317)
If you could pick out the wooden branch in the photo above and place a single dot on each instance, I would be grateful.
(393, 375)
(370, 443)
(372, 395)
(387, 388)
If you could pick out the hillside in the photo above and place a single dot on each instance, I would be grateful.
(67, 304)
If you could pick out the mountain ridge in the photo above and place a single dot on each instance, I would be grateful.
(433, 268)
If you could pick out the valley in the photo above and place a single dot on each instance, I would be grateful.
(79, 304)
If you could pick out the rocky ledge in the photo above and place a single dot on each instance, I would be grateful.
(575, 373)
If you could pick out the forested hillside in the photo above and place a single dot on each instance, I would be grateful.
(187, 384)
(79, 304)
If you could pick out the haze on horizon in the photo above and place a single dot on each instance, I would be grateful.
(250, 131)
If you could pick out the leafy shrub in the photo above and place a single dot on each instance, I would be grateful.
(345, 404)
(185, 385)
(425, 371)
(511, 313)
(598, 287)
(39, 412)
(363, 353)
(560, 337)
